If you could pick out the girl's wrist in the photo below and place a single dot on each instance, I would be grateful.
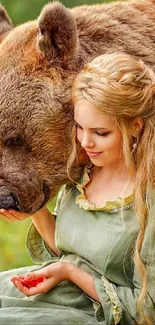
(67, 270)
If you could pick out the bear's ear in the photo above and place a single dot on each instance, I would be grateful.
(58, 32)
(5, 22)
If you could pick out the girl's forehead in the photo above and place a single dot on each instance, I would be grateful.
(86, 112)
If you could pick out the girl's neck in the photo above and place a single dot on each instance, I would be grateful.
(112, 172)
(107, 184)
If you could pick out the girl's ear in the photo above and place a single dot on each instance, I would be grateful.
(137, 125)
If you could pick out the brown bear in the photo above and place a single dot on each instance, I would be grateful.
(38, 63)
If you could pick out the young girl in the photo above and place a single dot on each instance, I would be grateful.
(100, 252)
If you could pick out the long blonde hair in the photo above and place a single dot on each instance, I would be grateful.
(123, 87)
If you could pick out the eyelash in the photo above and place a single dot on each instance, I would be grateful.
(100, 134)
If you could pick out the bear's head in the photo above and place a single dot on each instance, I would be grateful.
(39, 61)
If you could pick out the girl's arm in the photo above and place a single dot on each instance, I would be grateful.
(83, 280)
(53, 274)
(44, 222)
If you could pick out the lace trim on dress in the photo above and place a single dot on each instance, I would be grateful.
(116, 305)
(112, 206)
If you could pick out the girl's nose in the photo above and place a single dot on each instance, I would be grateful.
(87, 142)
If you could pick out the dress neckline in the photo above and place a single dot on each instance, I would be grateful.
(111, 206)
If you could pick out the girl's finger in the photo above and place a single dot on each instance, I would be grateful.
(7, 216)
(18, 277)
(3, 216)
(27, 281)
(14, 213)
(20, 287)
(40, 288)
(27, 277)
(19, 215)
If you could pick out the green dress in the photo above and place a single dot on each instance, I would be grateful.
(101, 242)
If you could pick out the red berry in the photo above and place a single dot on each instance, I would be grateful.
(40, 280)
(31, 283)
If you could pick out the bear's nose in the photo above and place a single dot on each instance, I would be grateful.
(8, 202)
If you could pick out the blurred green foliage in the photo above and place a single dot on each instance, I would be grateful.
(12, 242)
(12, 234)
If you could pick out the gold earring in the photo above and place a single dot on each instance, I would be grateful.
(135, 143)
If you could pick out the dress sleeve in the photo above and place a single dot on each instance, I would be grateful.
(119, 302)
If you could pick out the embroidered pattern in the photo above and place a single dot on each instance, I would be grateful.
(116, 308)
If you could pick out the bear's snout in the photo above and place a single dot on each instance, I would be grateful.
(23, 194)
(8, 201)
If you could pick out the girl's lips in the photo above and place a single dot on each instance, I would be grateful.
(93, 154)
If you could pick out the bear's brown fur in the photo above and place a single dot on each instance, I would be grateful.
(38, 63)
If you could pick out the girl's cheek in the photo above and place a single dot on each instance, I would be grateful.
(79, 135)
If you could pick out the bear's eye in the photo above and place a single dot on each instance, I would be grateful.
(16, 142)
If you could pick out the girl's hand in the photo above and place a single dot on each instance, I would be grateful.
(42, 280)
(12, 215)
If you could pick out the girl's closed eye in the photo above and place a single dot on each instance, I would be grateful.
(102, 134)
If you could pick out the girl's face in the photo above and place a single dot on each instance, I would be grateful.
(98, 134)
